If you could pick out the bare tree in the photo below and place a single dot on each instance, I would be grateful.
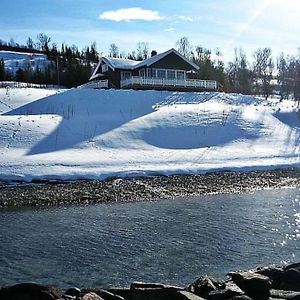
(142, 50)
(263, 68)
(239, 74)
(283, 76)
(43, 41)
(30, 43)
(184, 47)
(113, 50)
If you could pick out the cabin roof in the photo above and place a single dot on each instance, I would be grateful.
(151, 60)
(129, 64)
(120, 63)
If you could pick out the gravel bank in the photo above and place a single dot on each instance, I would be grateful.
(140, 189)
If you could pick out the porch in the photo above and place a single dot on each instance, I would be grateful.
(96, 84)
(137, 82)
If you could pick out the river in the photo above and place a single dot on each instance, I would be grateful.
(168, 241)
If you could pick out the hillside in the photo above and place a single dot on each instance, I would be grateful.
(15, 60)
(82, 133)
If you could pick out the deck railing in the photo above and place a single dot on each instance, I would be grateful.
(187, 83)
(98, 84)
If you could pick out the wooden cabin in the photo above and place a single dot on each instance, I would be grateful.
(165, 71)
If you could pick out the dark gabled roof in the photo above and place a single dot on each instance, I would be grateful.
(151, 60)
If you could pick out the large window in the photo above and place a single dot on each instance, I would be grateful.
(161, 73)
(171, 74)
(142, 73)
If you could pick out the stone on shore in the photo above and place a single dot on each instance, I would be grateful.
(255, 285)
(91, 296)
(290, 295)
(202, 286)
(290, 280)
(29, 291)
(231, 290)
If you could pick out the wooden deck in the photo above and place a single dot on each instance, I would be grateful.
(169, 84)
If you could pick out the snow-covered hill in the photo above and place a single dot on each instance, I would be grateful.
(15, 60)
(82, 133)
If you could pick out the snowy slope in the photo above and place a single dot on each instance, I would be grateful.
(83, 133)
(15, 60)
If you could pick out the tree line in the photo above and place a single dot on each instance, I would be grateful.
(69, 66)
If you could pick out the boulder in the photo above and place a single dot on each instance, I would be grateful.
(73, 291)
(255, 285)
(202, 286)
(166, 293)
(91, 296)
(29, 291)
(273, 273)
(242, 297)
(230, 290)
(290, 280)
(295, 266)
(281, 294)
(106, 295)
(184, 295)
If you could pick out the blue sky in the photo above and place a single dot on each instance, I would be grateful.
(223, 24)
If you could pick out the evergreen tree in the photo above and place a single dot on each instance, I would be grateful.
(2, 70)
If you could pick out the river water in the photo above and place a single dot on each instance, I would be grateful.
(169, 241)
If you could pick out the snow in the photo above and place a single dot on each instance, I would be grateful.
(84, 133)
(121, 63)
(15, 60)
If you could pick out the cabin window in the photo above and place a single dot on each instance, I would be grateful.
(104, 68)
(125, 75)
(142, 73)
(171, 74)
(161, 73)
(180, 75)
(149, 73)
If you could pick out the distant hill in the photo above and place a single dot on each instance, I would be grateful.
(14, 60)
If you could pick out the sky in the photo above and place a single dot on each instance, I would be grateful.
(213, 24)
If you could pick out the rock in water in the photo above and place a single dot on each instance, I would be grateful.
(255, 285)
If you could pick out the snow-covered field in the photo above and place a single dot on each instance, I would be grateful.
(15, 60)
(84, 133)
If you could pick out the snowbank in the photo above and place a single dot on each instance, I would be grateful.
(83, 133)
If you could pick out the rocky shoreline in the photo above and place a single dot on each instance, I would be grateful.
(275, 282)
(84, 192)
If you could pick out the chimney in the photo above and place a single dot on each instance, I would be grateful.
(153, 53)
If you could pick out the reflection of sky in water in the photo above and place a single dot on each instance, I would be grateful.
(290, 224)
